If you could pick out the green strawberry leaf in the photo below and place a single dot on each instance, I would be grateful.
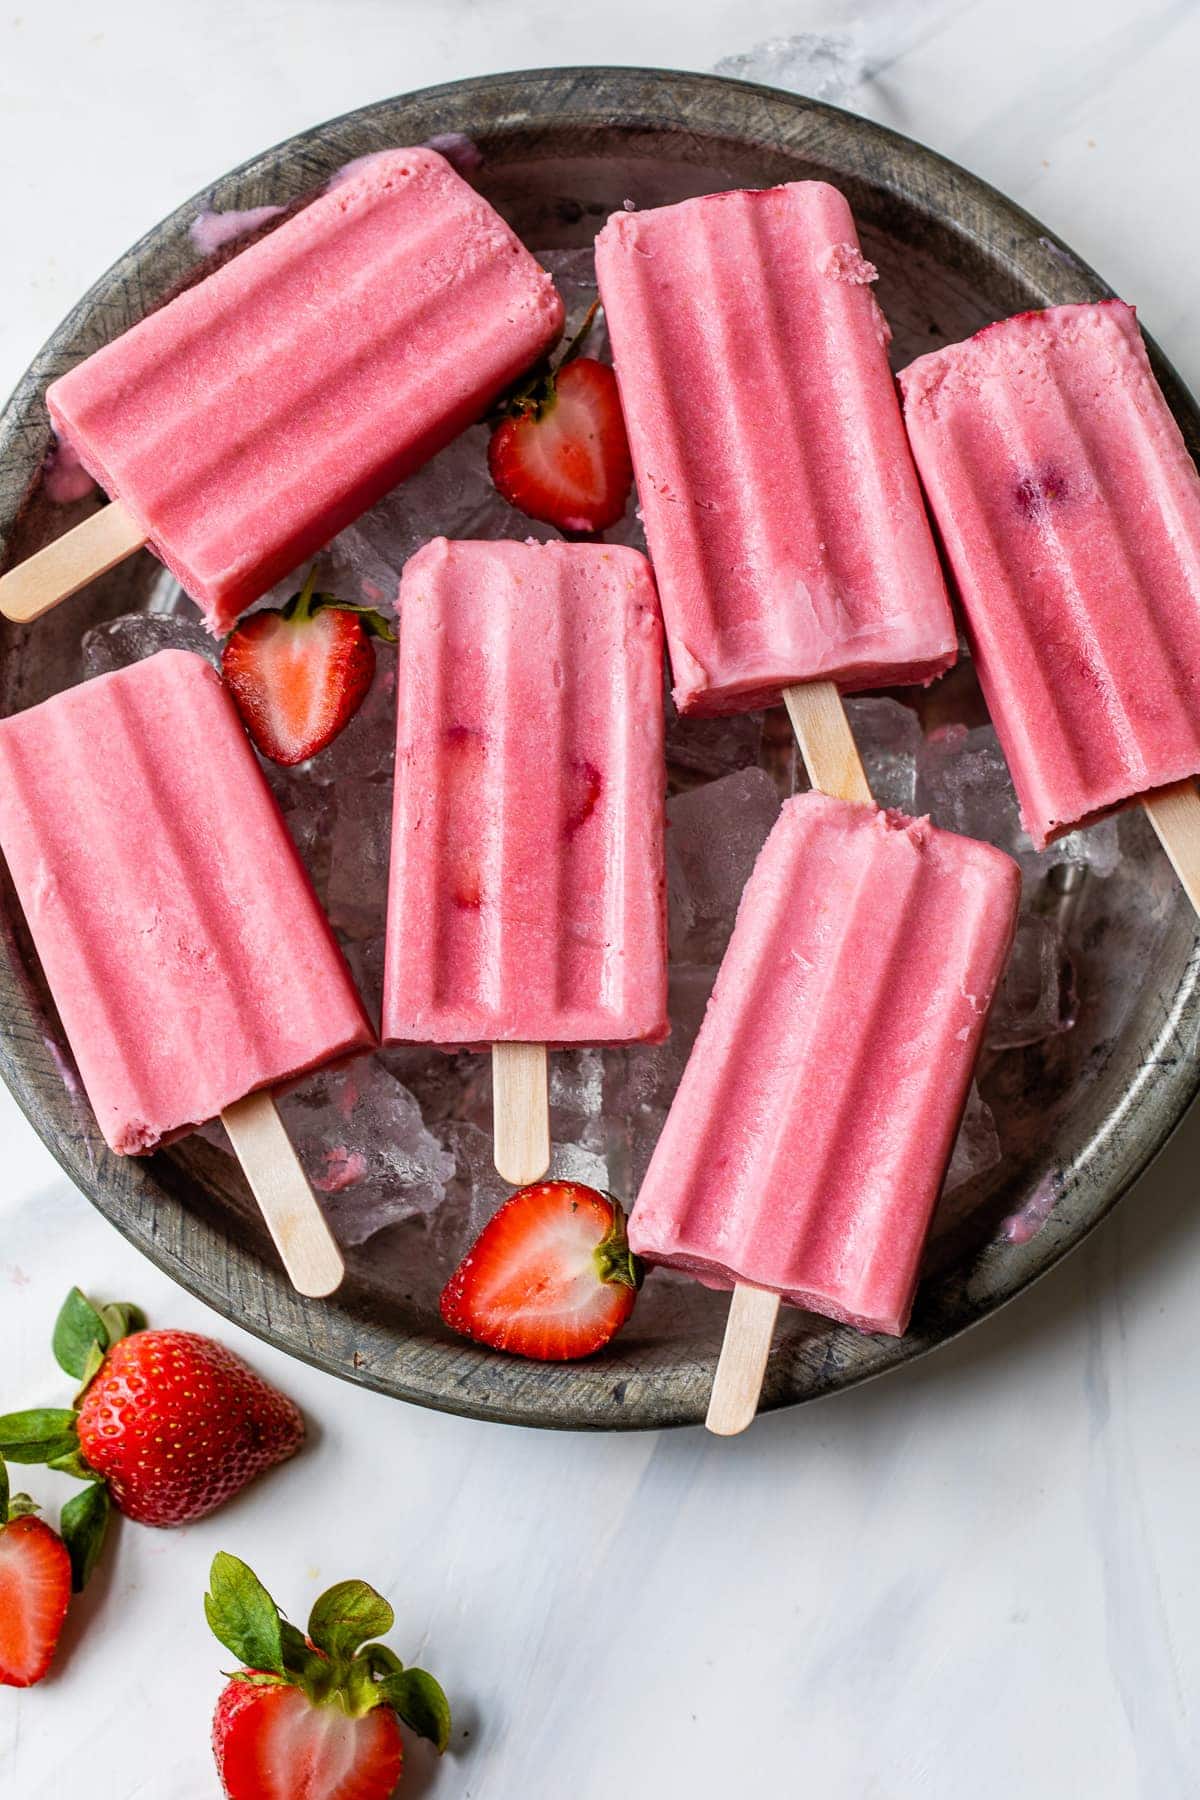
(93, 1363)
(77, 1330)
(346, 1615)
(121, 1320)
(421, 1704)
(37, 1436)
(243, 1616)
(75, 1463)
(83, 1523)
(20, 1506)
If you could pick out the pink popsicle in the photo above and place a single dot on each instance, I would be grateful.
(781, 506)
(807, 1141)
(187, 954)
(248, 421)
(527, 898)
(1070, 512)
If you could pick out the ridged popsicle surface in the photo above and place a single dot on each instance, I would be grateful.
(245, 423)
(806, 1144)
(781, 506)
(1070, 512)
(180, 936)
(527, 896)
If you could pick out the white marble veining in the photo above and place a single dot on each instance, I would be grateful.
(976, 1577)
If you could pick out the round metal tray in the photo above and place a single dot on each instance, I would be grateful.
(1080, 1116)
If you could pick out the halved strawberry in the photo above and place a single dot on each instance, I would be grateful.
(314, 1717)
(551, 1276)
(35, 1587)
(562, 454)
(300, 674)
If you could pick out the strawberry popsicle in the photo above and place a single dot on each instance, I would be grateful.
(244, 424)
(808, 1139)
(1070, 512)
(781, 506)
(187, 954)
(527, 898)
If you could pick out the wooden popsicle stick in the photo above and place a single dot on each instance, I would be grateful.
(69, 563)
(826, 741)
(304, 1241)
(1174, 813)
(835, 767)
(520, 1112)
(743, 1364)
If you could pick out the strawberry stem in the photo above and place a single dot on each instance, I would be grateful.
(300, 609)
(615, 1261)
(577, 342)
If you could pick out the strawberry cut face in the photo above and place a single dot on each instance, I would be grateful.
(550, 1277)
(35, 1587)
(564, 455)
(272, 1743)
(299, 675)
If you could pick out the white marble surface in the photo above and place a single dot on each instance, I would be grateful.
(977, 1577)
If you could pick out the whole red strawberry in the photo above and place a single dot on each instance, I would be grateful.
(177, 1424)
(35, 1588)
(299, 674)
(550, 1276)
(313, 1717)
(561, 453)
(169, 1423)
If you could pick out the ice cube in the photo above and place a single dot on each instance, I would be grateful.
(134, 636)
(366, 1149)
(577, 1099)
(307, 807)
(713, 746)
(714, 835)
(977, 1146)
(1029, 1004)
(365, 957)
(889, 741)
(358, 857)
(640, 1082)
(576, 1162)
(1096, 848)
(964, 784)
(366, 749)
(473, 1193)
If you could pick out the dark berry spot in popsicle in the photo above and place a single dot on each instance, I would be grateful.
(467, 890)
(584, 784)
(1041, 489)
(466, 757)
(464, 743)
